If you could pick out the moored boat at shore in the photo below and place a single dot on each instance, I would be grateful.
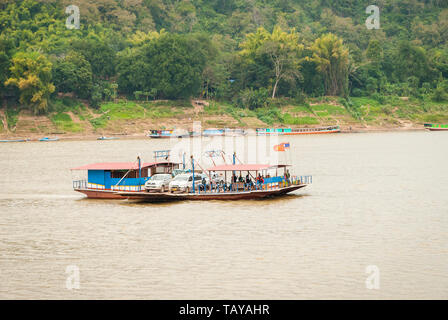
(436, 127)
(159, 134)
(106, 138)
(297, 131)
(228, 132)
(15, 140)
(46, 139)
(180, 133)
(165, 134)
(213, 132)
(234, 132)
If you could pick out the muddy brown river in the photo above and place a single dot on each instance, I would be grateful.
(374, 224)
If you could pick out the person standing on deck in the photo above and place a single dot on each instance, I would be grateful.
(204, 184)
(248, 181)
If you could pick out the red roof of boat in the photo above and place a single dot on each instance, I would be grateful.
(118, 165)
(245, 167)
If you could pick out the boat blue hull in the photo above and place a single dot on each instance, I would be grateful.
(18, 140)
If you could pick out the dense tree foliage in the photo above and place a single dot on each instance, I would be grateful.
(73, 73)
(239, 51)
(31, 73)
(281, 50)
(331, 59)
(171, 64)
(6, 50)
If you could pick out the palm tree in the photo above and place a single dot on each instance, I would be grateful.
(283, 49)
(332, 60)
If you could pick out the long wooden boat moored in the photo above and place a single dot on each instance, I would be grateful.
(47, 139)
(107, 138)
(234, 132)
(160, 134)
(15, 140)
(297, 131)
(166, 134)
(213, 132)
(436, 127)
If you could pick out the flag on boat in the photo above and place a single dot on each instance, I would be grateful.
(279, 147)
(282, 146)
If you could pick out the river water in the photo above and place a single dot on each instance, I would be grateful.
(377, 199)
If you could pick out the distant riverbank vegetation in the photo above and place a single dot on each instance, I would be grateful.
(266, 60)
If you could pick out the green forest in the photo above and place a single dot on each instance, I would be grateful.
(248, 54)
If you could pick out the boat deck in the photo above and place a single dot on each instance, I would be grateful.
(208, 195)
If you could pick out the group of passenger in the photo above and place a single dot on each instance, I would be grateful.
(247, 181)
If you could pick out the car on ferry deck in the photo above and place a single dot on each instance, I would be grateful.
(159, 182)
(184, 182)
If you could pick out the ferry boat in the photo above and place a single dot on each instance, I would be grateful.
(296, 131)
(105, 179)
(436, 127)
(253, 188)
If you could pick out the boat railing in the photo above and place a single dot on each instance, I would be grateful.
(246, 187)
(84, 184)
(271, 184)
(303, 179)
(80, 184)
(127, 188)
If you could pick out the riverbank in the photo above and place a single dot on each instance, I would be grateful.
(75, 120)
(143, 135)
